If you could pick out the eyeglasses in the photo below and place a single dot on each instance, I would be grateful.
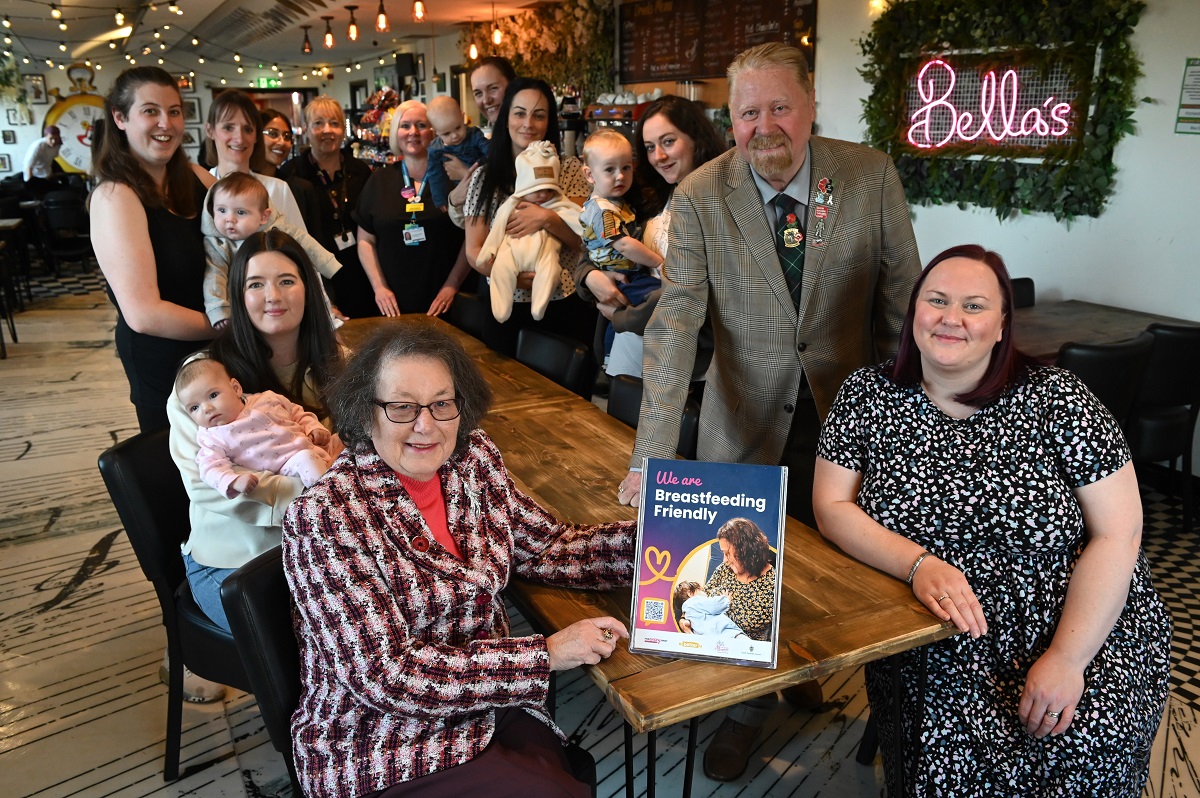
(407, 412)
(271, 133)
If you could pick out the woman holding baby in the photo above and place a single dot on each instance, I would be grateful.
(407, 245)
(527, 115)
(279, 339)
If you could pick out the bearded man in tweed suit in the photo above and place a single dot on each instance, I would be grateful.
(784, 340)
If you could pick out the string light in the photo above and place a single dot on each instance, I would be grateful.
(174, 9)
(328, 33)
(306, 48)
(54, 12)
(62, 25)
(7, 21)
(120, 18)
(157, 35)
(352, 28)
(237, 57)
(62, 47)
(381, 20)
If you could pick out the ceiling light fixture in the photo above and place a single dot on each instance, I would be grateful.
(62, 47)
(174, 9)
(473, 51)
(62, 24)
(418, 11)
(381, 20)
(119, 17)
(237, 58)
(54, 12)
(328, 33)
(352, 28)
(497, 36)
(7, 21)
(306, 48)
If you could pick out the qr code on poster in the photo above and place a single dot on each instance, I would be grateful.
(654, 611)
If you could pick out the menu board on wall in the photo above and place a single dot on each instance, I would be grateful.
(687, 39)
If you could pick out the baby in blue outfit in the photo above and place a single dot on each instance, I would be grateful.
(454, 137)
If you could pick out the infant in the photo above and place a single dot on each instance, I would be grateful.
(263, 431)
(537, 182)
(705, 613)
(237, 206)
(454, 137)
(606, 217)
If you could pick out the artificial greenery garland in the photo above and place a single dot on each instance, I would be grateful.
(1076, 183)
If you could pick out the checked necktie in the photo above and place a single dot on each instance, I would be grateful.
(789, 243)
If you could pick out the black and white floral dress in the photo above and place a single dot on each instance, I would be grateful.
(992, 495)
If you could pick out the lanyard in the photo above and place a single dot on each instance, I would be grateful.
(412, 196)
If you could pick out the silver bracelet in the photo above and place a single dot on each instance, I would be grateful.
(916, 564)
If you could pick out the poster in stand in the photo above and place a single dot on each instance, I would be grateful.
(708, 562)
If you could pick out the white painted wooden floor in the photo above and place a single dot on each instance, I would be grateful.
(82, 712)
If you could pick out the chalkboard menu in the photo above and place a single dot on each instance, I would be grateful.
(687, 39)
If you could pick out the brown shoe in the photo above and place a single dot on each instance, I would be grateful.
(726, 757)
(806, 695)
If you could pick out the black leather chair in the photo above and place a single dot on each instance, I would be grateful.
(625, 405)
(1162, 425)
(1112, 371)
(259, 607)
(1023, 293)
(564, 360)
(467, 313)
(151, 501)
(65, 228)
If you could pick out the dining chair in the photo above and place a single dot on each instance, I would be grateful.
(258, 603)
(564, 360)
(1113, 372)
(1162, 425)
(625, 405)
(66, 229)
(467, 312)
(1023, 293)
(151, 501)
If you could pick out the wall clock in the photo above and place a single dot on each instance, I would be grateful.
(75, 114)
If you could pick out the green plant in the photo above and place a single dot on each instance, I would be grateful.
(567, 44)
(1073, 183)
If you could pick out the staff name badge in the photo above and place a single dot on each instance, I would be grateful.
(345, 240)
(414, 207)
(413, 234)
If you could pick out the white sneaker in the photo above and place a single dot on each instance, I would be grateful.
(195, 689)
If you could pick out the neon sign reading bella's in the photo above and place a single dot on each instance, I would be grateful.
(938, 122)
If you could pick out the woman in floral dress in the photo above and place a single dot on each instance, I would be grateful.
(1004, 493)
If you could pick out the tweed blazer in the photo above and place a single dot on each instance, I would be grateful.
(405, 650)
(722, 264)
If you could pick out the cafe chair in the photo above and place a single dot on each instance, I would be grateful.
(556, 357)
(65, 229)
(150, 499)
(625, 405)
(259, 607)
(1113, 372)
(1023, 293)
(1162, 425)
(467, 313)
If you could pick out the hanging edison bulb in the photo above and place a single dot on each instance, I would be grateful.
(328, 33)
(497, 36)
(306, 48)
(381, 20)
(352, 28)
(418, 13)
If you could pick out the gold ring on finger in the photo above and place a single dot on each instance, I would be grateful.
(942, 598)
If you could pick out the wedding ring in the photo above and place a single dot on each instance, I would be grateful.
(942, 598)
(1054, 715)
(608, 634)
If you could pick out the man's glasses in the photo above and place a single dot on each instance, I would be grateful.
(407, 412)
(286, 135)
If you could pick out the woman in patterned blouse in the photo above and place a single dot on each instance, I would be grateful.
(396, 559)
(747, 576)
(1003, 492)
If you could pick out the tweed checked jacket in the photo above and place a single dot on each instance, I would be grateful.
(722, 264)
(405, 649)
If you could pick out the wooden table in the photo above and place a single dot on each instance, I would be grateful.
(835, 612)
(1042, 329)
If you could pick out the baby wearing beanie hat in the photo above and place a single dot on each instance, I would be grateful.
(536, 182)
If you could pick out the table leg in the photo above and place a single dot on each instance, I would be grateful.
(693, 729)
(651, 755)
(629, 793)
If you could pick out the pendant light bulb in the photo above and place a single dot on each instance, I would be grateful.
(328, 33)
(120, 18)
(473, 52)
(352, 28)
(381, 20)
(497, 36)
(306, 48)
(418, 13)
(54, 12)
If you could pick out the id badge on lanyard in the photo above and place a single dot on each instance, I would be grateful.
(414, 233)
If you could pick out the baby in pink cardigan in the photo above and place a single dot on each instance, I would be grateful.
(263, 431)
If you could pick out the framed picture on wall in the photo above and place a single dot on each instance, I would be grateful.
(191, 137)
(35, 89)
(5, 163)
(191, 110)
(10, 137)
(20, 116)
(186, 86)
